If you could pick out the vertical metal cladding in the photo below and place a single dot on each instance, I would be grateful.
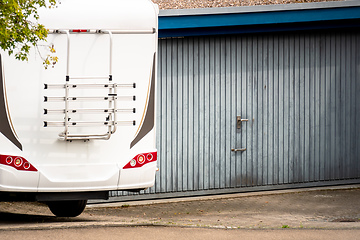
(300, 92)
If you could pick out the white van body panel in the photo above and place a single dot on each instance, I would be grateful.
(83, 165)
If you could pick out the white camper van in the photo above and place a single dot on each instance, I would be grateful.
(86, 126)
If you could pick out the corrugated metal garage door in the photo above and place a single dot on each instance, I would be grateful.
(300, 92)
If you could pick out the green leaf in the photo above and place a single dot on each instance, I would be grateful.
(17, 31)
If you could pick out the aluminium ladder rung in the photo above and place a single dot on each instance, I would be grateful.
(80, 111)
(109, 98)
(87, 124)
(70, 137)
(85, 85)
(88, 77)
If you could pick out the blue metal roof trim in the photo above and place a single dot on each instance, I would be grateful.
(176, 23)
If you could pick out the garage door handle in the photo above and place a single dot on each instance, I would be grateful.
(238, 150)
(239, 120)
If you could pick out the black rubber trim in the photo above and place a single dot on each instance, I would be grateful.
(149, 119)
(52, 196)
(5, 126)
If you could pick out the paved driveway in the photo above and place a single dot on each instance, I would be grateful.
(330, 211)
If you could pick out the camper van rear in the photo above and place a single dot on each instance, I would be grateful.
(85, 126)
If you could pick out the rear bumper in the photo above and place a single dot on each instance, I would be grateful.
(52, 196)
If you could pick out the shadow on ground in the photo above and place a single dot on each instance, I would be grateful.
(18, 218)
(27, 213)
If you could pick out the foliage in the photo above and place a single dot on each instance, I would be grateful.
(19, 27)
(50, 59)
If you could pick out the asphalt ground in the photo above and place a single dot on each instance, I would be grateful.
(329, 208)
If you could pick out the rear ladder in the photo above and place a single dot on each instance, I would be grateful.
(110, 120)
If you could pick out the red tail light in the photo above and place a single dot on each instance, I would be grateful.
(19, 163)
(9, 160)
(149, 157)
(141, 159)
